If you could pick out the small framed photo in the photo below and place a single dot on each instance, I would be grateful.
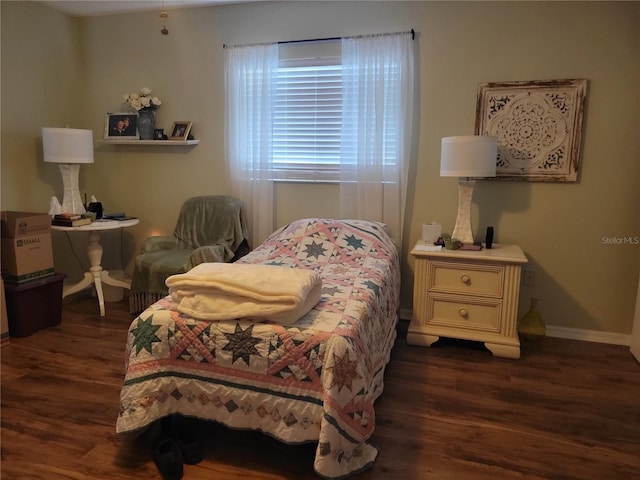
(158, 133)
(180, 130)
(123, 126)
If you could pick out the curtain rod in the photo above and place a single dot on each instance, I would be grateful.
(329, 39)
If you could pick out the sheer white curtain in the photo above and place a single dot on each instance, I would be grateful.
(250, 81)
(378, 97)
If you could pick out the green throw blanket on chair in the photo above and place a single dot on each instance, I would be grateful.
(209, 229)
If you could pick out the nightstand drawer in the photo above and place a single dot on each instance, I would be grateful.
(465, 313)
(466, 279)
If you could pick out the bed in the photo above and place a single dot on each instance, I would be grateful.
(313, 381)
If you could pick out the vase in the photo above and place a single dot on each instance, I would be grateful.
(531, 325)
(146, 123)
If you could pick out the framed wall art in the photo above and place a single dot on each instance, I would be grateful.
(538, 125)
(123, 126)
(180, 130)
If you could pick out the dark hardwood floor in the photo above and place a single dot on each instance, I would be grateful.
(565, 410)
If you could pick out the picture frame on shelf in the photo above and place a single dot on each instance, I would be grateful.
(158, 134)
(180, 130)
(121, 126)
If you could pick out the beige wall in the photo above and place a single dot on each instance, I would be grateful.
(581, 282)
(42, 86)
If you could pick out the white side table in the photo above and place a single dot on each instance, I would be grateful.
(465, 294)
(96, 275)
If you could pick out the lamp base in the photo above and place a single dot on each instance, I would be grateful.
(462, 230)
(71, 202)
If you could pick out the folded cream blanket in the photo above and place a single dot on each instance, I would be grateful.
(227, 291)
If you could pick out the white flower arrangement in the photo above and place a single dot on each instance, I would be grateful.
(142, 100)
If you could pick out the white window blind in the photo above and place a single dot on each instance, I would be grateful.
(308, 120)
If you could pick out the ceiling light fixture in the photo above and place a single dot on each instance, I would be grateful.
(163, 16)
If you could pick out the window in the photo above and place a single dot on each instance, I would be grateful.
(308, 139)
(347, 119)
(308, 120)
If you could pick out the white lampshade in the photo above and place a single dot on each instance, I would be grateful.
(67, 145)
(469, 156)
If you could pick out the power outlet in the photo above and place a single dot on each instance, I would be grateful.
(529, 278)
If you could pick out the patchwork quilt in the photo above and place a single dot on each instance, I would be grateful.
(313, 381)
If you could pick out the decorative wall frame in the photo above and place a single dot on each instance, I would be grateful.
(538, 125)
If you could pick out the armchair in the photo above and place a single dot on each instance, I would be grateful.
(209, 229)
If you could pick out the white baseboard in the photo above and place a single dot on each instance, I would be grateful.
(588, 335)
(564, 332)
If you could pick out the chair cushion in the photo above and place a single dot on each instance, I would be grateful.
(153, 268)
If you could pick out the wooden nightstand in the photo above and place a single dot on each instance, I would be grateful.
(471, 295)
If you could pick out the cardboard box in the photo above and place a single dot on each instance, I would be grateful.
(27, 253)
(34, 305)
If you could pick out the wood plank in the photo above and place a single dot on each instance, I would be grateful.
(565, 410)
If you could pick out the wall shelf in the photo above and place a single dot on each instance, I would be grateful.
(150, 142)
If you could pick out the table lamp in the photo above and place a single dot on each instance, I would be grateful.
(467, 157)
(69, 147)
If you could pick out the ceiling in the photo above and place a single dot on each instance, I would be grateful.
(89, 8)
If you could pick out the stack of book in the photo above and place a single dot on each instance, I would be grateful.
(71, 219)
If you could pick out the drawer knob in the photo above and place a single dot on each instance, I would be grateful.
(463, 312)
(466, 279)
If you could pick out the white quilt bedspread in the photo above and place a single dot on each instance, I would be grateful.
(313, 381)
